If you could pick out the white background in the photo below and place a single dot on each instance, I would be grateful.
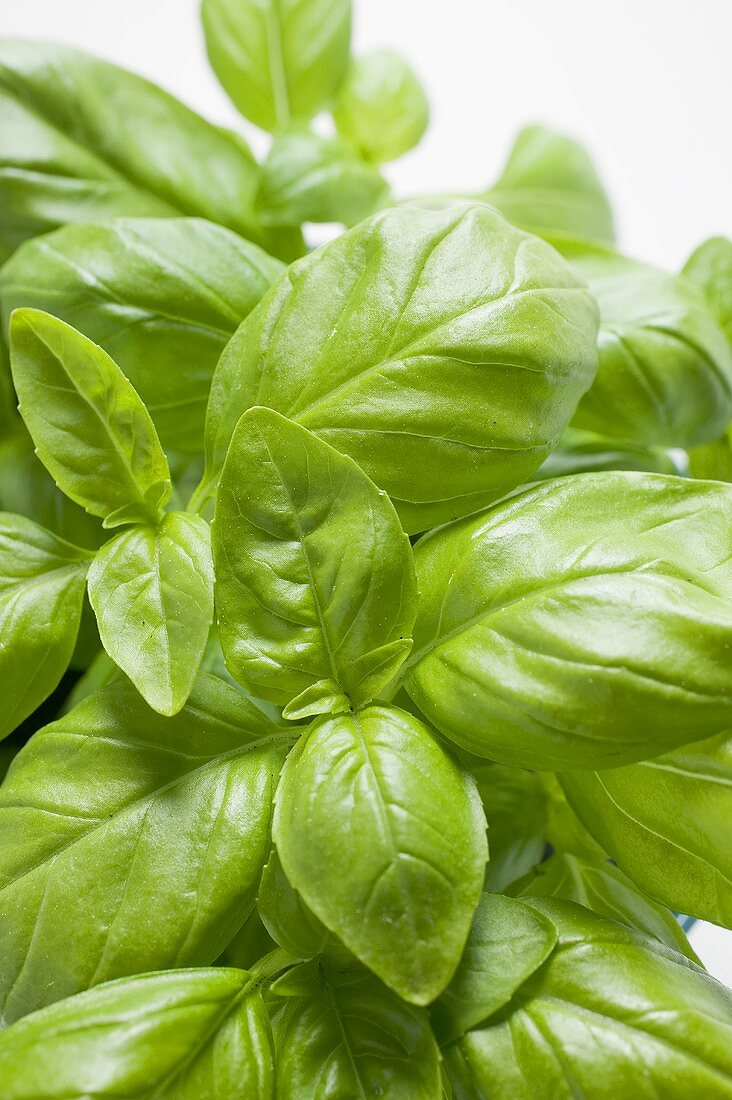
(646, 84)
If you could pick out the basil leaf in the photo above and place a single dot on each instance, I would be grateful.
(184, 1034)
(157, 866)
(348, 1036)
(507, 943)
(152, 593)
(90, 428)
(383, 836)
(309, 178)
(550, 184)
(251, 943)
(27, 488)
(515, 809)
(665, 374)
(161, 296)
(9, 419)
(564, 830)
(611, 1012)
(42, 582)
(666, 822)
(315, 584)
(713, 460)
(83, 140)
(278, 60)
(444, 352)
(584, 623)
(381, 109)
(710, 267)
(600, 886)
(286, 917)
(586, 452)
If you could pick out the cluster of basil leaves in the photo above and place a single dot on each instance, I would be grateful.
(249, 859)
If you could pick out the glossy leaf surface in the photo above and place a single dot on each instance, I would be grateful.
(612, 1013)
(550, 184)
(152, 593)
(381, 107)
(278, 60)
(286, 917)
(42, 582)
(182, 1035)
(586, 452)
(157, 866)
(89, 426)
(315, 580)
(444, 352)
(507, 943)
(86, 141)
(665, 375)
(309, 178)
(585, 623)
(667, 824)
(384, 838)
(348, 1037)
(161, 296)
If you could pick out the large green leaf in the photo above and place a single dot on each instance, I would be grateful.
(710, 267)
(83, 140)
(381, 108)
(507, 943)
(152, 593)
(611, 1013)
(42, 581)
(278, 60)
(182, 1035)
(89, 426)
(310, 178)
(667, 823)
(602, 887)
(347, 1036)
(665, 374)
(130, 842)
(161, 296)
(315, 587)
(384, 838)
(586, 623)
(444, 352)
(550, 185)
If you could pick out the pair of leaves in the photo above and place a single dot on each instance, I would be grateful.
(83, 140)
(666, 822)
(151, 586)
(161, 296)
(586, 623)
(185, 1035)
(156, 867)
(280, 61)
(665, 375)
(606, 1001)
(444, 352)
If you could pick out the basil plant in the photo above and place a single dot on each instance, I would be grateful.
(365, 610)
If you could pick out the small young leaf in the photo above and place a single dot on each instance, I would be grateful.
(315, 587)
(286, 917)
(42, 581)
(155, 866)
(610, 1013)
(550, 185)
(90, 428)
(667, 824)
(152, 593)
(710, 267)
(183, 1034)
(278, 60)
(586, 623)
(371, 1043)
(309, 178)
(160, 295)
(384, 837)
(381, 107)
(507, 944)
(515, 809)
(443, 351)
